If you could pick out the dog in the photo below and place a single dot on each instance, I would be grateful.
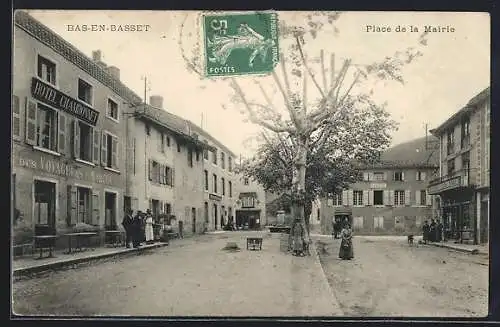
(410, 240)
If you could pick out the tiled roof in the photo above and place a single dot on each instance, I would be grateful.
(198, 130)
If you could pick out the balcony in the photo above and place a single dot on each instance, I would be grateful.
(458, 179)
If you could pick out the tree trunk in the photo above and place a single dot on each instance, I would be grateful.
(299, 183)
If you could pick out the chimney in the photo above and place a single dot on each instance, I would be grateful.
(96, 55)
(114, 71)
(156, 101)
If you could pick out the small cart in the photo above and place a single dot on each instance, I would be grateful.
(254, 243)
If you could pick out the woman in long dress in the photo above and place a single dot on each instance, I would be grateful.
(346, 251)
(149, 228)
(298, 234)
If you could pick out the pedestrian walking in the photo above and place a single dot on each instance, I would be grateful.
(149, 235)
(433, 231)
(346, 251)
(298, 234)
(127, 225)
(136, 229)
(425, 231)
(181, 228)
(440, 229)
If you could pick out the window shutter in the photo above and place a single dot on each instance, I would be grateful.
(370, 197)
(429, 199)
(114, 152)
(31, 113)
(72, 204)
(76, 139)
(150, 170)
(418, 200)
(402, 175)
(345, 197)
(160, 207)
(95, 140)
(16, 118)
(365, 197)
(366, 176)
(95, 208)
(385, 176)
(350, 197)
(61, 143)
(386, 198)
(391, 197)
(416, 175)
(104, 149)
(371, 176)
(172, 171)
(407, 197)
(423, 175)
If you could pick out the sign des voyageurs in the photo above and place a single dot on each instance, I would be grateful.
(51, 96)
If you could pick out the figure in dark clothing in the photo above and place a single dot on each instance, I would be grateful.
(127, 225)
(425, 231)
(440, 228)
(433, 231)
(346, 251)
(136, 229)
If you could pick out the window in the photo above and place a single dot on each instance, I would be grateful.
(205, 154)
(197, 155)
(45, 203)
(85, 147)
(223, 160)
(190, 157)
(230, 184)
(47, 70)
(399, 176)
(46, 128)
(337, 199)
(318, 217)
(377, 176)
(230, 163)
(451, 167)
(248, 202)
(214, 157)
(214, 183)
(112, 111)
(84, 213)
(421, 176)
(223, 184)
(148, 130)
(378, 197)
(246, 181)
(84, 91)
(465, 133)
(16, 118)
(399, 221)
(110, 150)
(450, 142)
(357, 198)
(357, 223)
(399, 198)
(160, 174)
(162, 143)
(466, 167)
(169, 176)
(206, 179)
(168, 141)
(178, 147)
(423, 198)
(378, 222)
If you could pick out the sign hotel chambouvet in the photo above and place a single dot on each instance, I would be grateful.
(51, 96)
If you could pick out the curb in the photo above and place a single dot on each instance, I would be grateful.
(455, 248)
(61, 264)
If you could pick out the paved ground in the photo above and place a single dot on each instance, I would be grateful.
(190, 277)
(389, 278)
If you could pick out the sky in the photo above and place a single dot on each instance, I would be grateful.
(455, 66)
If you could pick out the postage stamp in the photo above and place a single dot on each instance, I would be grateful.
(240, 44)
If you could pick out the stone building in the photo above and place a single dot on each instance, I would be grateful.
(463, 184)
(67, 132)
(250, 203)
(391, 198)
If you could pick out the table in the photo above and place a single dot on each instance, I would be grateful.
(115, 236)
(254, 242)
(79, 237)
(50, 245)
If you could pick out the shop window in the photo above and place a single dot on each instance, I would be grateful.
(206, 179)
(399, 198)
(337, 199)
(47, 70)
(109, 148)
(230, 184)
(378, 197)
(84, 91)
(112, 111)
(214, 177)
(399, 176)
(223, 160)
(223, 185)
(44, 210)
(357, 198)
(46, 129)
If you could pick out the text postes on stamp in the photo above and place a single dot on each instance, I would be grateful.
(240, 44)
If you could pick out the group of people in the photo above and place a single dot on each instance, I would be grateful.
(432, 232)
(138, 227)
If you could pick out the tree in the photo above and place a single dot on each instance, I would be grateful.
(321, 127)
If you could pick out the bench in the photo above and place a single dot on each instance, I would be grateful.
(20, 250)
(45, 238)
(254, 242)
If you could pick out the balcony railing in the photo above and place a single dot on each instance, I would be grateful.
(459, 178)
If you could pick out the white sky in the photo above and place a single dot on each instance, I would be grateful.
(454, 68)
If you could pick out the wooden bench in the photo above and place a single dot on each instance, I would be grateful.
(254, 242)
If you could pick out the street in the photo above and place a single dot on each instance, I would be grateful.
(387, 277)
(191, 277)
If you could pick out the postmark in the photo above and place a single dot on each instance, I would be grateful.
(240, 44)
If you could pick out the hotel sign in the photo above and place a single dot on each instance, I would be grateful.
(51, 96)
(378, 185)
(444, 186)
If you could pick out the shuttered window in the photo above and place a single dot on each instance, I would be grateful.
(16, 118)
(109, 150)
(61, 143)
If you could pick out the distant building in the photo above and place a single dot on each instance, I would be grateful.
(463, 185)
(250, 203)
(392, 196)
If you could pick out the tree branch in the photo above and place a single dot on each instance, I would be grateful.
(323, 72)
(291, 110)
(307, 67)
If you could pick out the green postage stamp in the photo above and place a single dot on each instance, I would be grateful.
(240, 44)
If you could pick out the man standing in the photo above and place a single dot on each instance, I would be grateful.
(127, 224)
(425, 231)
(136, 229)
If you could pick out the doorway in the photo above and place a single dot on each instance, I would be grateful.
(110, 210)
(215, 216)
(155, 208)
(484, 222)
(193, 219)
(45, 204)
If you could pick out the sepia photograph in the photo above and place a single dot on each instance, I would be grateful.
(244, 164)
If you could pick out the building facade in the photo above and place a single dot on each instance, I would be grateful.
(463, 185)
(250, 207)
(67, 127)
